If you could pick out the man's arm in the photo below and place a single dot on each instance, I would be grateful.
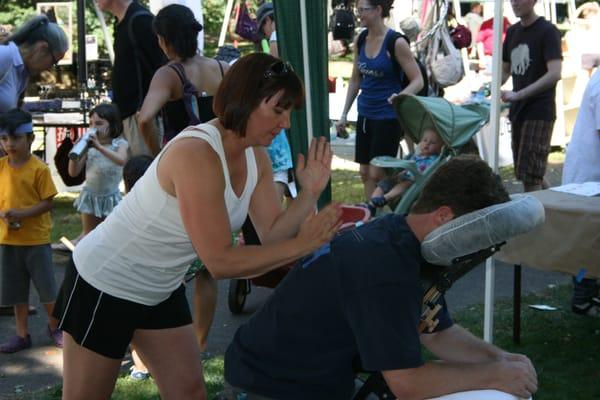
(505, 72)
(467, 363)
(18, 214)
(545, 82)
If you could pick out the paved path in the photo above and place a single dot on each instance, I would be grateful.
(41, 365)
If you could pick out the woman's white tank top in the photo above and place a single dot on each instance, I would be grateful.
(142, 251)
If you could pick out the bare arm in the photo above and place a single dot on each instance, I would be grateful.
(353, 87)
(471, 364)
(505, 72)
(159, 93)
(17, 214)
(545, 82)
(201, 204)
(410, 67)
(119, 157)
(75, 167)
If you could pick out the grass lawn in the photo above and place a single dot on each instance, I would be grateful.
(564, 347)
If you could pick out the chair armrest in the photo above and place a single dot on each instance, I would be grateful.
(393, 162)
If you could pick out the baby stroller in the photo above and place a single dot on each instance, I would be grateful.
(456, 125)
(240, 288)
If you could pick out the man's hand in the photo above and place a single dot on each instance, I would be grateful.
(516, 375)
(313, 172)
(509, 96)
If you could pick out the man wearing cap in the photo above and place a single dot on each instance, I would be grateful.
(357, 302)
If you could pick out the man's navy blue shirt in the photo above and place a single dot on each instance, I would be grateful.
(357, 299)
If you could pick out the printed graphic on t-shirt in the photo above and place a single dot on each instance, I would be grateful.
(365, 71)
(520, 59)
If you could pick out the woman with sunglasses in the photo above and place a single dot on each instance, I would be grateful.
(125, 281)
(378, 132)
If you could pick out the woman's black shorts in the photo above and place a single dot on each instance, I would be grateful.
(105, 324)
(376, 137)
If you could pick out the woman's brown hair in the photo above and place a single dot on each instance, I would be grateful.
(252, 79)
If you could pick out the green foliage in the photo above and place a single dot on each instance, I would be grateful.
(16, 12)
(212, 11)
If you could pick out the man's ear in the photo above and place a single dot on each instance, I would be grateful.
(443, 215)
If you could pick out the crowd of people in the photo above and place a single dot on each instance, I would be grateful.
(219, 156)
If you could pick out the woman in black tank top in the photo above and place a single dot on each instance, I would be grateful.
(181, 91)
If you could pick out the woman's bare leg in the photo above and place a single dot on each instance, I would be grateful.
(173, 358)
(88, 223)
(87, 375)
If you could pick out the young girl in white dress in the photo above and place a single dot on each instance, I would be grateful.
(103, 164)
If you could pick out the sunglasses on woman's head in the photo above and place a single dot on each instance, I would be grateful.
(278, 69)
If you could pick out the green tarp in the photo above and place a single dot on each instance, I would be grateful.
(289, 40)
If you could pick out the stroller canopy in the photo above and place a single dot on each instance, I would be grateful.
(455, 124)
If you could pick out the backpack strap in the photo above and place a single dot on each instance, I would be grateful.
(138, 56)
(189, 95)
(178, 68)
(221, 68)
(398, 71)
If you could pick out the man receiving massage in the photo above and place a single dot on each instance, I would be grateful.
(355, 304)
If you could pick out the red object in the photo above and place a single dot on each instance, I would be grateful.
(351, 215)
(461, 37)
(486, 34)
(331, 84)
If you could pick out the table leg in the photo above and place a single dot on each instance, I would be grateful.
(517, 305)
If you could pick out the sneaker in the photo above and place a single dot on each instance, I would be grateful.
(591, 308)
(138, 375)
(15, 343)
(56, 336)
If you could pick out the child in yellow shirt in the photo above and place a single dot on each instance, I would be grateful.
(25, 224)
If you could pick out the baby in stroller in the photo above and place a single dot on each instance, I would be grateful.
(393, 187)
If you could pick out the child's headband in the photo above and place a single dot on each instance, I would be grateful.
(24, 128)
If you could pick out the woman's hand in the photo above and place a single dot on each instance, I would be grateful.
(314, 171)
(319, 229)
(341, 125)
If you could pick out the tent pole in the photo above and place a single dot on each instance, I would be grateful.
(107, 38)
(225, 24)
(490, 266)
(306, 64)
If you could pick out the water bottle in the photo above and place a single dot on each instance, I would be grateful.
(81, 147)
